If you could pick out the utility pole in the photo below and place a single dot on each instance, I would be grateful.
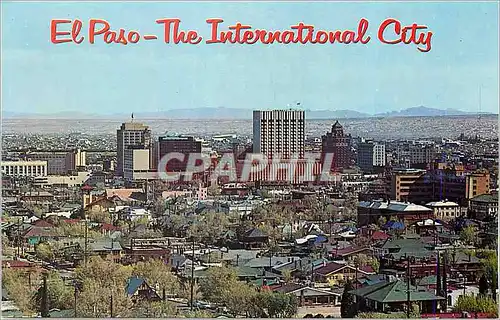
(192, 278)
(44, 303)
(86, 242)
(75, 296)
(18, 236)
(408, 289)
(111, 305)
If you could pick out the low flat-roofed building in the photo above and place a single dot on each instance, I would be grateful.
(24, 168)
(444, 210)
(370, 211)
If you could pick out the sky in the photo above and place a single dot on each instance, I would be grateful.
(41, 77)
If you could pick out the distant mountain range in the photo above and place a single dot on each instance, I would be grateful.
(241, 114)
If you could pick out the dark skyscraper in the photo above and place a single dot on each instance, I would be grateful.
(181, 144)
(339, 144)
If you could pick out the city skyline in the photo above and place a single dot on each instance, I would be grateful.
(366, 78)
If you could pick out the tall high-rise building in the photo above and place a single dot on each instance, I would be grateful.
(338, 144)
(370, 154)
(279, 132)
(379, 157)
(134, 135)
(180, 144)
(365, 156)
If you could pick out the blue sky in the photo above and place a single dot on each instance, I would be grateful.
(38, 76)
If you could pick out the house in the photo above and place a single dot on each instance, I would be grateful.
(379, 236)
(42, 224)
(138, 289)
(336, 273)
(254, 238)
(392, 296)
(269, 262)
(106, 247)
(300, 268)
(370, 279)
(349, 253)
(102, 204)
(127, 195)
(467, 265)
(35, 235)
(107, 229)
(18, 264)
(308, 296)
(400, 248)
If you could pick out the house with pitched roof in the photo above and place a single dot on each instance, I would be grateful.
(392, 296)
(138, 289)
(333, 273)
(309, 296)
(254, 238)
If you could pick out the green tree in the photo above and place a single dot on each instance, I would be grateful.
(185, 291)
(287, 276)
(471, 303)
(99, 280)
(375, 264)
(199, 314)
(490, 268)
(209, 227)
(18, 288)
(468, 235)
(213, 190)
(267, 304)
(218, 282)
(44, 252)
(157, 309)
(381, 221)
(238, 299)
(347, 309)
(99, 216)
(58, 294)
(155, 271)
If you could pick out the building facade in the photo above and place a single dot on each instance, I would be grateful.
(338, 145)
(484, 207)
(407, 213)
(131, 134)
(59, 162)
(445, 210)
(135, 163)
(410, 185)
(185, 145)
(379, 158)
(416, 154)
(365, 156)
(24, 168)
(369, 155)
(279, 133)
(477, 183)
